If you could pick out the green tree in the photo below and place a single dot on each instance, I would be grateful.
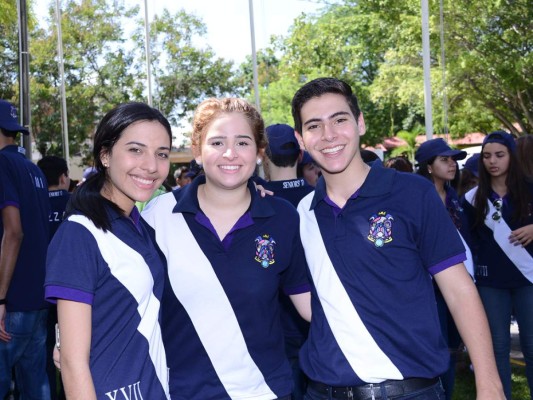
(184, 73)
(97, 72)
(490, 53)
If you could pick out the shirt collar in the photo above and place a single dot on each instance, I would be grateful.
(378, 182)
(13, 148)
(187, 200)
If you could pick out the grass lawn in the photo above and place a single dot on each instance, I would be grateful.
(465, 385)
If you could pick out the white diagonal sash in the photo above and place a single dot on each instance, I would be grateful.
(362, 352)
(122, 259)
(198, 289)
(501, 232)
(469, 262)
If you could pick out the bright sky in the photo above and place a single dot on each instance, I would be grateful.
(228, 21)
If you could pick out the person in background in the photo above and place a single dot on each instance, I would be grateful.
(469, 175)
(104, 268)
(24, 236)
(368, 156)
(524, 152)
(373, 239)
(399, 163)
(437, 162)
(308, 169)
(87, 173)
(500, 214)
(282, 155)
(55, 169)
(180, 175)
(229, 253)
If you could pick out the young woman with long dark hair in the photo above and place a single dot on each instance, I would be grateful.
(500, 212)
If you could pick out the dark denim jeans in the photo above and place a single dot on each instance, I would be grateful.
(499, 305)
(26, 353)
(434, 392)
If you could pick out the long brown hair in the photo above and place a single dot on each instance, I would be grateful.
(517, 191)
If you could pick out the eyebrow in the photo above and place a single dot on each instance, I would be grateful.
(143, 145)
(330, 117)
(225, 137)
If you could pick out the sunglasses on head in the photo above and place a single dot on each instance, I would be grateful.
(497, 215)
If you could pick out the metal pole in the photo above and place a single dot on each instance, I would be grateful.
(254, 55)
(426, 63)
(147, 48)
(443, 63)
(64, 119)
(24, 73)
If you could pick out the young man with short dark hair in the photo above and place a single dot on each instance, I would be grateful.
(373, 238)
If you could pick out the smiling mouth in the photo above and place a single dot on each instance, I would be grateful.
(230, 167)
(143, 181)
(331, 150)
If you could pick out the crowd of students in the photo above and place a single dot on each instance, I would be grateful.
(196, 297)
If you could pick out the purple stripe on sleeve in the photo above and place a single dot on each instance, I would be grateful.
(449, 262)
(306, 287)
(9, 203)
(53, 293)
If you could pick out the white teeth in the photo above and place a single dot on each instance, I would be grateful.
(230, 167)
(143, 181)
(332, 149)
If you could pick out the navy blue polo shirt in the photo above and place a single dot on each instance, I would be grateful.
(221, 314)
(23, 185)
(58, 204)
(121, 274)
(374, 311)
(494, 268)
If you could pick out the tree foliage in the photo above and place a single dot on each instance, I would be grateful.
(104, 67)
(373, 45)
(376, 47)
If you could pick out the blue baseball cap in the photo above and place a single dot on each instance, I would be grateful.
(501, 137)
(306, 159)
(472, 164)
(281, 140)
(437, 147)
(9, 118)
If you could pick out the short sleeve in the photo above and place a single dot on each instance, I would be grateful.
(73, 264)
(439, 242)
(295, 279)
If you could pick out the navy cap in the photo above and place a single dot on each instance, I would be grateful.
(9, 119)
(281, 140)
(437, 147)
(501, 137)
(472, 164)
(306, 159)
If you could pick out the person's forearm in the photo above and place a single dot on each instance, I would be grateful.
(77, 381)
(8, 258)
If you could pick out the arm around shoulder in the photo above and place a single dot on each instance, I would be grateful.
(302, 303)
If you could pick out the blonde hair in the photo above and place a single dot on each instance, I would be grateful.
(210, 109)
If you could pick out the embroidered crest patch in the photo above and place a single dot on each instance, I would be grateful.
(380, 228)
(264, 250)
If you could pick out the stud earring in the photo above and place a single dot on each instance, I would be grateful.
(259, 161)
